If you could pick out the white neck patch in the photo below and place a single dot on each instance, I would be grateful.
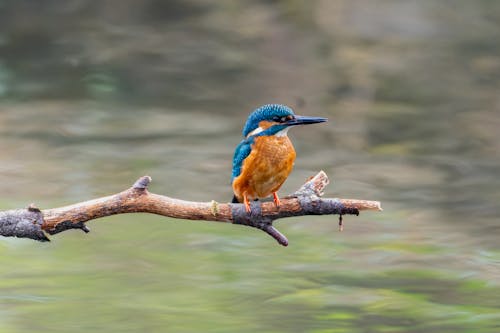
(258, 130)
(255, 131)
(283, 132)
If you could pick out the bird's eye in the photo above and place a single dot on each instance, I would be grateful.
(282, 119)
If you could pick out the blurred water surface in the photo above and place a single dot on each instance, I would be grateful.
(95, 94)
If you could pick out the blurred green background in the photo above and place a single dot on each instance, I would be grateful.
(95, 94)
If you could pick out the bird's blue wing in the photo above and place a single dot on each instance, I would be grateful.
(242, 151)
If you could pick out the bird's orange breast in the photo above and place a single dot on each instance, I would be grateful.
(266, 168)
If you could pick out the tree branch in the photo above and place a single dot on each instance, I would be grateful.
(35, 223)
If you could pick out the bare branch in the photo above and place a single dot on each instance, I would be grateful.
(32, 222)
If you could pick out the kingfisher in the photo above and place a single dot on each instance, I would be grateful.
(265, 157)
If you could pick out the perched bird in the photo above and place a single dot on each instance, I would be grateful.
(265, 157)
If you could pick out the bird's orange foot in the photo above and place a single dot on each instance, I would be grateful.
(276, 200)
(247, 204)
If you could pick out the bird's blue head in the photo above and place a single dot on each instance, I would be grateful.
(274, 118)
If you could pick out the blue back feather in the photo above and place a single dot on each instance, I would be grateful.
(242, 151)
(266, 112)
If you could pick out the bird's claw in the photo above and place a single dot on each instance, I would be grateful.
(276, 200)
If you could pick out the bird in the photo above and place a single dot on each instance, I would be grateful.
(264, 158)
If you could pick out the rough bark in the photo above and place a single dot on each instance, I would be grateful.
(35, 223)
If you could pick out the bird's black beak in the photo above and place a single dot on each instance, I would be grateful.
(304, 120)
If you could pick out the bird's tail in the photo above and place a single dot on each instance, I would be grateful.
(235, 199)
